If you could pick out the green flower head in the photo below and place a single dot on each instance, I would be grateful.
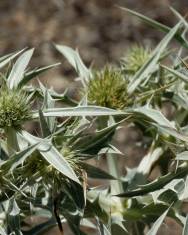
(135, 59)
(14, 109)
(108, 88)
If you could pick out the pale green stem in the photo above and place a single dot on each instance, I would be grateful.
(12, 142)
(116, 185)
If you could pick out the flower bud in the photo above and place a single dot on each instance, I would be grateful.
(14, 109)
(108, 88)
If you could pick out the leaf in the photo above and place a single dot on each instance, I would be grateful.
(48, 102)
(103, 229)
(182, 156)
(6, 59)
(150, 213)
(157, 25)
(184, 194)
(79, 111)
(14, 217)
(17, 72)
(95, 172)
(43, 124)
(157, 184)
(147, 68)
(91, 144)
(41, 228)
(179, 16)
(74, 59)
(18, 158)
(2, 231)
(182, 76)
(52, 155)
(157, 224)
(185, 228)
(148, 161)
(173, 132)
(32, 74)
(154, 115)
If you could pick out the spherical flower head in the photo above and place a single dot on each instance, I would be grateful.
(14, 109)
(108, 88)
(135, 58)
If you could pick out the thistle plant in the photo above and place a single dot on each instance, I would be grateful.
(46, 173)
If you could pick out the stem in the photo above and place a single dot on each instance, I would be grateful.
(56, 213)
(116, 185)
(12, 142)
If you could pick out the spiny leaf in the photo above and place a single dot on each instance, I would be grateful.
(79, 111)
(32, 74)
(157, 224)
(17, 72)
(158, 183)
(52, 155)
(74, 59)
(150, 64)
(95, 172)
(157, 25)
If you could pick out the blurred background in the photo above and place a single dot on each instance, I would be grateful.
(99, 29)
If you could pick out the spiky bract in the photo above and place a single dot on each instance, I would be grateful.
(108, 88)
(14, 109)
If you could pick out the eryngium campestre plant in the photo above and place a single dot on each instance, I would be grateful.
(14, 109)
(135, 58)
(108, 88)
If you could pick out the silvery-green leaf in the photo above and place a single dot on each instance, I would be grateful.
(32, 74)
(74, 59)
(52, 155)
(157, 25)
(154, 115)
(17, 72)
(148, 161)
(157, 224)
(182, 76)
(79, 111)
(148, 67)
(185, 228)
(6, 59)
(182, 156)
(18, 158)
(184, 194)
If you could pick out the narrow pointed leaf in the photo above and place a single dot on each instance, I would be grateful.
(96, 173)
(157, 25)
(32, 74)
(17, 72)
(157, 224)
(79, 111)
(74, 59)
(52, 155)
(185, 228)
(151, 63)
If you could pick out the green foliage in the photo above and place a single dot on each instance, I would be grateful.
(46, 174)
